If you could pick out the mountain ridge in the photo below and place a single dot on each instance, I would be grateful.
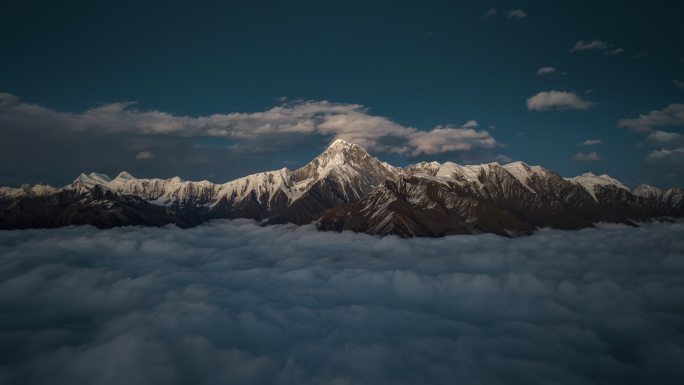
(345, 188)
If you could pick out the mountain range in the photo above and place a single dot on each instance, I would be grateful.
(345, 188)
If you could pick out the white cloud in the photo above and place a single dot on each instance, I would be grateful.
(596, 45)
(545, 71)
(352, 122)
(664, 139)
(232, 301)
(679, 84)
(669, 146)
(591, 142)
(7, 100)
(672, 115)
(593, 45)
(615, 51)
(490, 12)
(470, 124)
(587, 157)
(144, 155)
(557, 100)
(501, 158)
(446, 139)
(673, 157)
(516, 14)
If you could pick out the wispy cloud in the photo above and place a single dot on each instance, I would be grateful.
(545, 71)
(673, 157)
(671, 115)
(592, 142)
(592, 45)
(587, 157)
(470, 124)
(596, 45)
(489, 13)
(501, 158)
(615, 51)
(144, 155)
(516, 14)
(664, 139)
(679, 84)
(557, 100)
(668, 146)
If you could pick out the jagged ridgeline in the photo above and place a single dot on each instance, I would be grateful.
(345, 188)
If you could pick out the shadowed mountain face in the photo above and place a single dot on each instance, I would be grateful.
(98, 206)
(345, 188)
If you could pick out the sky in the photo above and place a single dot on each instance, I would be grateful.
(219, 90)
(215, 303)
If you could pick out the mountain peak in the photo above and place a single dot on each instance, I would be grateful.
(518, 163)
(344, 157)
(341, 145)
(124, 175)
(645, 190)
(341, 152)
(92, 179)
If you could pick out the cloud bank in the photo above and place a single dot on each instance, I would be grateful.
(351, 122)
(234, 302)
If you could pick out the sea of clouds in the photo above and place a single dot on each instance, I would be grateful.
(231, 302)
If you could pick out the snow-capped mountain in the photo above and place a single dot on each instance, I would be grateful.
(673, 198)
(346, 188)
(508, 199)
(97, 206)
(35, 190)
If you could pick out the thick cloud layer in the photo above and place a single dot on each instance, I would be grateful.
(232, 302)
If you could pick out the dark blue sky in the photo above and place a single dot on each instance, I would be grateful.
(419, 64)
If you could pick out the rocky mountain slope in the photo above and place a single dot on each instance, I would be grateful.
(345, 188)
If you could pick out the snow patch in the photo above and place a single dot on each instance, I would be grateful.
(589, 181)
